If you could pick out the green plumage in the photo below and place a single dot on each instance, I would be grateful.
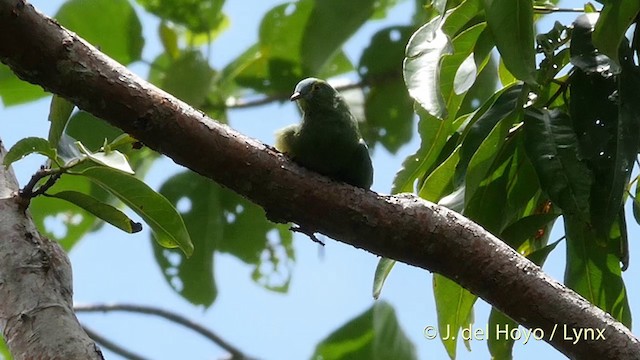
(327, 140)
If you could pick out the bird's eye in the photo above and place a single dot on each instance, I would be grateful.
(314, 87)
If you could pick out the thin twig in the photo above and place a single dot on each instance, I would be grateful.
(110, 345)
(236, 354)
(548, 10)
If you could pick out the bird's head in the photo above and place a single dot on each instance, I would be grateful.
(312, 91)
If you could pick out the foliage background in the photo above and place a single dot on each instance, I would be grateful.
(329, 286)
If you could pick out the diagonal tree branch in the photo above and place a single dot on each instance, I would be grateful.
(402, 227)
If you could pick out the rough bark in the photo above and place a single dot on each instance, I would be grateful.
(36, 307)
(403, 227)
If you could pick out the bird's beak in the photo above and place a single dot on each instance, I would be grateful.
(296, 95)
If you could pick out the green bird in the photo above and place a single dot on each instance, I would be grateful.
(327, 140)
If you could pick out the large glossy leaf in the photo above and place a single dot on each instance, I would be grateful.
(488, 153)
(454, 306)
(373, 335)
(523, 182)
(615, 19)
(421, 67)
(199, 16)
(552, 146)
(511, 23)
(14, 91)
(604, 111)
(488, 206)
(165, 222)
(111, 25)
(441, 181)
(500, 106)
(434, 133)
(593, 268)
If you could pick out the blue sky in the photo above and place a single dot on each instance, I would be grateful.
(326, 291)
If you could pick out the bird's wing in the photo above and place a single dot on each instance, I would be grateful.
(361, 171)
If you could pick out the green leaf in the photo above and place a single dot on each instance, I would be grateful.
(110, 25)
(615, 19)
(382, 272)
(14, 91)
(540, 256)
(389, 116)
(552, 146)
(434, 133)
(330, 24)
(500, 346)
(454, 306)
(188, 77)
(388, 107)
(488, 206)
(169, 38)
(62, 221)
(101, 210)
(199, 16)
(488, 153)
(523, 181)
(593, 268)
(460, 16)
(374, 335)
(506, 78)
(511, 23)
(605, 112)
(29, 146)
(500, 106)
(165, 222)
(59, 113)
(112, 159)
(441, 181)
(219, 220)
(421, 67)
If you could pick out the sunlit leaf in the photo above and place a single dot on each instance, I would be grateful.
(511, 23)
(615, 19)
(421, 67)
(165, 222)
(454, 306)
(373, 335)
